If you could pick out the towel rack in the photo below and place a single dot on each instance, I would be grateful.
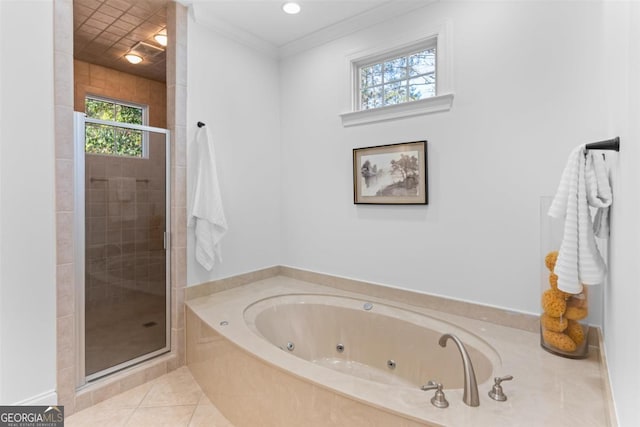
(200, 124)
(105, 179)
(609, 144)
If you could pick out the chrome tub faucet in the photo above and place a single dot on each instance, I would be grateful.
(470, 396)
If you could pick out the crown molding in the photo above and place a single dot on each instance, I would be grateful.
(233, 32)
(375, 16)
(369, 18)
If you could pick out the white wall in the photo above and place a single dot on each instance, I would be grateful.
(234, 90)
(622, 59)
(526, 93)
(27, 221)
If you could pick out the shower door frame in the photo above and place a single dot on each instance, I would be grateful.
(80, 120)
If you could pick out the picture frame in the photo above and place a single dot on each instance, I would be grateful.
(394, 174)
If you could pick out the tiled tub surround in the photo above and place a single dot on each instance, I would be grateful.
(254, 382)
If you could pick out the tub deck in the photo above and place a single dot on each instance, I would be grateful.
(547, 390)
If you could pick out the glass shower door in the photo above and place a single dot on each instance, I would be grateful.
(125, 292)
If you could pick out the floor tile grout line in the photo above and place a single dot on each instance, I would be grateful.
(155, 407)
(135, 409)
(140, 402)
(153, 385)
(167, 406)
(129, 417)
(192, 414)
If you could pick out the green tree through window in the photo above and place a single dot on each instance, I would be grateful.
(111, 140)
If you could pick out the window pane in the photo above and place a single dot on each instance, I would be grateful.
(102, 110)
(422, 87)
(371, 98)
(99, 139)
(371, 76)
(129, 142)
(422, 62)
(395, 69)
(395, 93)
(128, 114)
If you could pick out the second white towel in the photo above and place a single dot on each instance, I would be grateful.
(584, 183)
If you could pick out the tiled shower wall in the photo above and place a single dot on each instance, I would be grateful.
(91, 79)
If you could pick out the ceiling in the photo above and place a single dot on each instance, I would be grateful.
(104, 30)
(263, 25)
(266, 20)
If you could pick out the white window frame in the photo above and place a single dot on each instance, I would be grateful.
(145, 122)
(440, 37)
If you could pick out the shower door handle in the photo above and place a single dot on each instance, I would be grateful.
(164, 240)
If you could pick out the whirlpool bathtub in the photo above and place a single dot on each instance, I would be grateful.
(291, 353)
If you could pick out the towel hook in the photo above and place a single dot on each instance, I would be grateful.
(609, 144)
(200, 124)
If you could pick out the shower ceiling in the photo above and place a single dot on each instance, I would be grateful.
(104, 30)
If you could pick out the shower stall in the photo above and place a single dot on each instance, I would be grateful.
(121, 230)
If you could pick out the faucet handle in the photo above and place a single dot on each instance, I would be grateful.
(498, 380)
(438, 400)
(430, 385)
(496, 392)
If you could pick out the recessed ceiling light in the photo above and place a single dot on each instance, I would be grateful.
(291, 7)
(161, 38)
(133, 58)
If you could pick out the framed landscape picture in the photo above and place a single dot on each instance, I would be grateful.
(394, 174)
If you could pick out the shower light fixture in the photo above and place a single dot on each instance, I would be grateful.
(133, 58)
(161, 38)
(291, 7)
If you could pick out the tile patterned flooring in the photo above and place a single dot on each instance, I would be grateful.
(173, 400)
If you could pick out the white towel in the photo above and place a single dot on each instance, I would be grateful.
(599, 193)
(122, 189)
(207, 213)
(127, 190)
(584, 181)
(122, 199)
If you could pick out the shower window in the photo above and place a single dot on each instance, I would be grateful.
(109, 140)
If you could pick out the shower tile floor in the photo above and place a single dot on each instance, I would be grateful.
(172, 400)
(117, 331)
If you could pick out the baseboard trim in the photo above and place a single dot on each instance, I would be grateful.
(46, 398)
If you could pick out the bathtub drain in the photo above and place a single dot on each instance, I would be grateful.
(340, 348)
(290, 346)
(391, 364)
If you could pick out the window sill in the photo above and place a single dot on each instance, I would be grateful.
(434, 104)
